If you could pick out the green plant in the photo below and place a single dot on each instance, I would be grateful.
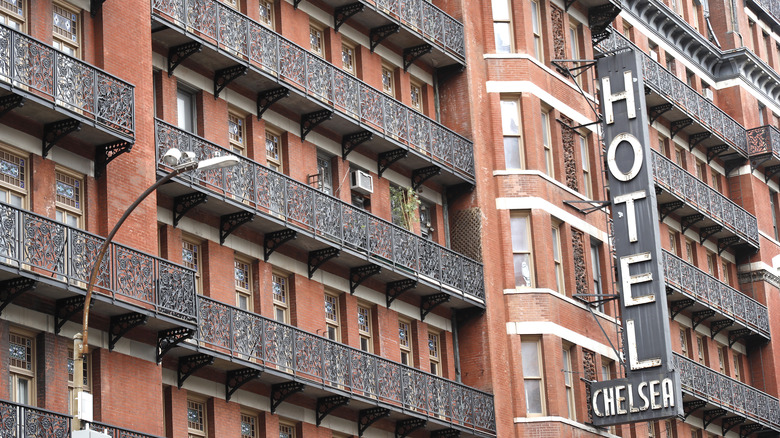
(403, 205)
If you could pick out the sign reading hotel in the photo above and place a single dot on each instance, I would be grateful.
(651, 388)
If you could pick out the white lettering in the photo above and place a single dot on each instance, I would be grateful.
(633, 362)
(631, 399)
(596, 403)
(636, 165)
(654, 394)
(609, 401)
(629, 199)
(627, 279)
(627, 94)
(668, 392)
(643, 395)
(620, 400)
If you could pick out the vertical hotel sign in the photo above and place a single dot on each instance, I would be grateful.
(651, 388)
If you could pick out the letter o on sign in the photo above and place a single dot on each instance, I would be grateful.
(638, 157)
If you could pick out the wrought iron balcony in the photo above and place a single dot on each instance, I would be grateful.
(230, 40)
(256, 342)
(768, 8)
(117, 432)
(745, 404)
(764, 149)
(698, 204)
(322, 218)
(60, 86)
(707, 297)
(17, 420)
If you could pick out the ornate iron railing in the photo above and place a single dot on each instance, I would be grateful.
(327, 218)
(31, 66)
(715, 294)
(764, 140)
(685, 98)
(771, 7)
(118, 432)
(727, 393)
(257, 341)
(41, 245)
(685, 186)
(21, 421)
(249, 42)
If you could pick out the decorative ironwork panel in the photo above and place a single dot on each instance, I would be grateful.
(389, 6)
(300, 203)
(115, 432)
(389, 377)
(115, 102)
(411, 13)
(454, 38)
(264, 47)
(42, 424)
(134, 274)
(355, 227)
(462, 154)
(328, 215)
(419, 131)
(176, 290)
(241, 181)
(433, 27)
(247, 335)
(441, 143)
(75, 84)
(363, 375)
(405, 249)
(84, 251)
(346, 93)
(308, 355)
(319, 78)
(396, 121)
(413, 389)
(9, 234)
(429, 259)
(371, 108)
(270, 190)
(336, 364)
(559, 46)
(484, 410)
(292, 62)
(171, 8)
(451, 272)
(44, 244)
(473, 278)
(233, 31)
(278, 345)
(202, 17)
(33, 64)
(380, 238)
(214, 324)
(437, 397)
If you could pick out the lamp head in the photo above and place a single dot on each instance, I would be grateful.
(172, 157)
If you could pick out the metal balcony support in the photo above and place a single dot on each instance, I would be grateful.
(728, 423)
(10, 103)
(403, 428)
(456, 191)
(462, 316)
(758, 160)
(669, 207)
(414, 53)
(727, 242)
(419, 176)
(231, 222)
(714, 151)
(95, 6)
(167, 339)
(280, 392)
(184, 203)
(770, 171)
(386, 159)
(690, 220)
(296, 3)
(394, 289)
(733, 164)
(367, 417)
(343, 13)
(599, 20)
(223, 77)
(430, 302)
(712, 415)
(235, 379)
(657, 111)
(680, 305)
(701, 316)
(692, 406)
(592, 205)
(65, 308)
(190, 364)
(749, 429)
(106, 153)
(177, 54)
(359, 274)
(380, 33)
(326, 405)
(679, 125)
(445, 433)
(706, 232)
(269, 97)
(272, 241)
(320, 256)
(719, 325)
(697, 138)
(13, 289)
(350, 141)
(738, 334)
(121, 325)
(312, 120)
(443, 74)
(56, 131)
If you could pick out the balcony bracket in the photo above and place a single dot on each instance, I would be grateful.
(280, 392)
(727, 242)
(736, 335)
(184, 203)
(462, 316)
(588, 206)
(695, 139)
(679, 125)
(320, 256)
(692, 406)
(419, 176)
(350, 141)
(95, 6)
(719, 325)
(658, 110)
(749, 429)
(13, 289)
(10, 103)
(326, 405)
(121, 325)
(443, 74)
(701, 316)
(359, 274)
(771, 171)
(190, 364)
(312, 120)
(296, 3)
(414, 53)
(403, 428)
(712, 415)
(177, 54)
(106, 154)
(457, 190)
(343, 13)
(167, 339)
(430, 302)
(56, 131)
(599, 20)
(690, 220)
(269, 97)
(274, 240)
(758, 160)
(223, 77)
(396, 288)
(714, 151)
(729, 422)
(380, 33)
(445, 433)
(386, 159)
(231, 222)
(367, 417)
(680, 305)
(66, 308)
(669, 207)
(706, 232)
(237, 378)
(733, 164)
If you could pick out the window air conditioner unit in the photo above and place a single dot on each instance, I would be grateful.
(361, 182)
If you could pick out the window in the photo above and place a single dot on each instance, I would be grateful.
(671, 65)
(536, 27)
(243, 279)
(315, 40)
(434, 347)
(725, 268)
(669, 426)
(701, 356)
(689, 251)
(532, 377)
(673, 243)
(185, 110)
(711, 263)
(281, 297)
(348, 58)
(416, 96)
(701, 174)
(502, 26)
(568, 382)
(549, 161)
(332, 317)
(286, 430)
(521, 249)
(596, 270)
(722, 359)
(364, 328)
(606, 374)
(560, 286)
(196, 418)
(190, 257)
(706, 91)
(737, 366)
(266, 13)
(66, 28)
(21, 358)
(513, 141)
(273, 150)
(574, 46)
(12, 14)
(325, 177)
(68, 199)
(248, 425)
(13, 178)
(715, 180)
(388, 81)
(773, 208)
(405, 342)
(232, 3)
(679, 156)
(651, 430)
(683, 342)
(587, 188)
(85, 375)
(689, 78)
(236, 132)
(653, 49)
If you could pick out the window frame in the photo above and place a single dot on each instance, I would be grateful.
(317, 30)
(252, 419)
(549, 156)
(274, 162)
(17, 373)
(20, 189)
(197, 261)
(536, 30)
(243, 291)
(268, 20)
(560, 279)
(289, 429)
(200, 404)
(332, 325)
(237, 143)
(434, 353)
(504, 22)
(60, 42)
(528, 252)
(407, 348)
(366, 334)
(416, 103)
(528, 376)
(568, 382)
(7, 16)
(508, 118)
(76, 181)
(184, 93)
(281, 307)
(349, 48)
(585, 165)
(388, 72)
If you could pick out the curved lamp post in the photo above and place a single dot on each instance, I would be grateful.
(180, 162)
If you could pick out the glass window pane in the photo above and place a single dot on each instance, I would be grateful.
(509, 117)
(512, 153)
(556, 244)
(500, 10)
(535, 17)
(519, 233)
(533, 396)
(503, 35)
(522, 270)
(530, 354)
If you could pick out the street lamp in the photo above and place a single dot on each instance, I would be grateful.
(180, 162)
